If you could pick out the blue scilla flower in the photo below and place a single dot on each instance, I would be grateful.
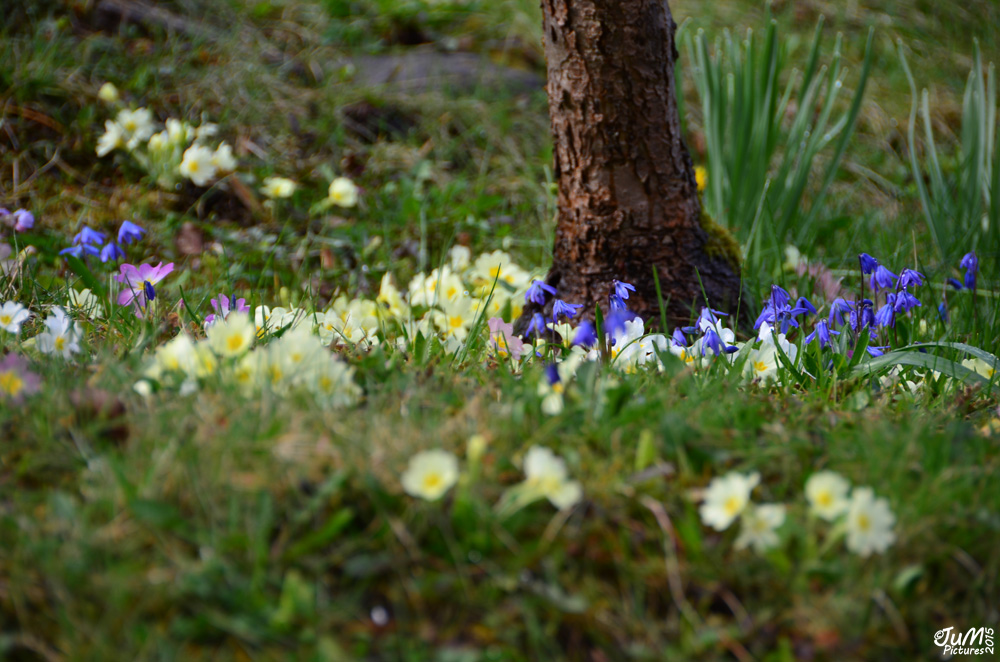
(886, 316)
(908, 277)
(617, 303)
(712, 341)
(876, 351)
(614, 323)
(622, 289)
(560, 307)
(129, 232)
(943, 312)
(678, 339)
(148, 290)
(536, 292)
(971, 265)
(882, 278)
(112, 252)
(586, 335)
(804, 305)
(868, 263)
(955, 283)
(88, 236)
(536, 326)
(822, 332)
(81, 250)
(905, 301)
(838, 310)
(552, 374)
(779, 296)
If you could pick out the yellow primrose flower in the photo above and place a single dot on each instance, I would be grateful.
(197, 165)
(726, 498)
(108, 93)
(223, 159)
(343, 192)
(430, 474)
(278, 187)
(826, 492)
(232, 336)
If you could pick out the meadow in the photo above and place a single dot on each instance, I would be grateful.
(261, 398)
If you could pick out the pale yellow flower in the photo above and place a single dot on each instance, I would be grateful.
(726, 498)
(430, 474)
(232, 336)
(108, 93)
(343, 192)
(197, 165)
(869, 523)
(278, 187)
(827, 494)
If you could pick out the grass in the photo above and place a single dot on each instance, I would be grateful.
(221, 526)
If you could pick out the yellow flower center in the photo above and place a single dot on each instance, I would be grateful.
(824, 499)
(6, 319)
(455, 322)
(234, 342)
(60, 343)
(732, 505)
(759, 366)
(864, 523)
(432, 481)
(557, 387)
(193, 166)
(11, 383)
(326, 384)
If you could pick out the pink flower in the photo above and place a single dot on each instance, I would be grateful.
(503, 340)
(139, 282)
(223, 305)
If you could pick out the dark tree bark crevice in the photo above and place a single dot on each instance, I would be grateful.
(628, 201)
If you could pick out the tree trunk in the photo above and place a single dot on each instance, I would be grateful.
(628, 202)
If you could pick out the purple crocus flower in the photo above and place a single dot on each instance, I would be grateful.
(622, 289)
(135, 281)
(223, 305)
(882, 278)
(868, 263)
(536, 292)
(129, 232)
(112, 252)
(586, 335)
(560, 307)
(909, 277)
(23, 220)
(822, 332)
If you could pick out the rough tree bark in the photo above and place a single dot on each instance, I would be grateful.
(628, 200)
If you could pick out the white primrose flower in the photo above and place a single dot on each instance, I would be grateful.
(331, 382)
(726, 498)
(87, 303)
(758, 526)
(546, 473)
(136, 126)
(980, 367)
(60, 336)
(223, 158)
(12, 316)
(197, 165)
(869, 523)
(112, 139)
(459, 257)
(430, 474)
(827, 494)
